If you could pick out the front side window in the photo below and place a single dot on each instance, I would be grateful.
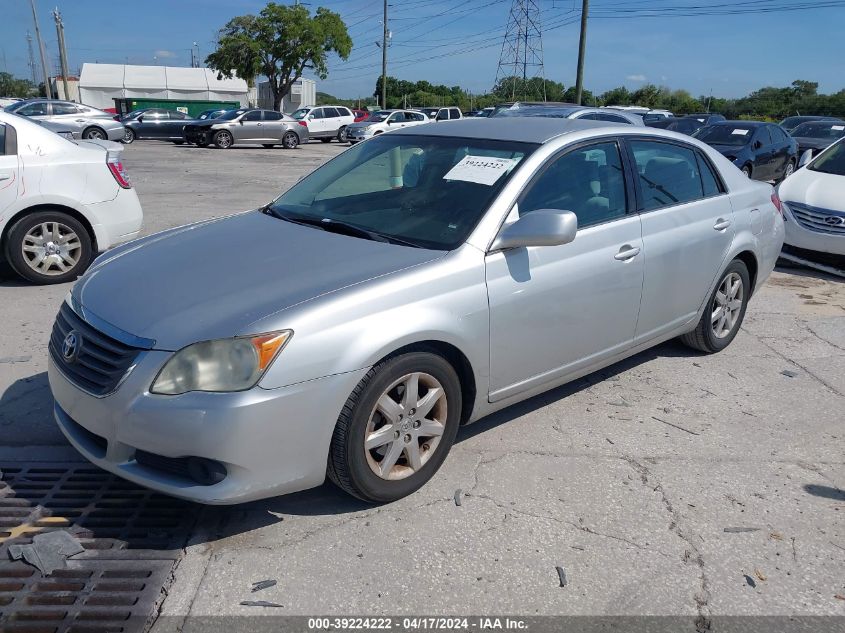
(588, 181)
(317, 113)
(156, 115)
(429, 191)
(763, 137)
(33, 109)
(397, 117)
(253, 115)
(668, 174)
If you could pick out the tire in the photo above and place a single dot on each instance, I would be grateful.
(202, 143)
(267, 145)
(746, 169)
(74, 254)
(223, 139)
(788, 170)
(128, 136)
(95, 133)
(178, 142)
(704, 337)
(353, 468)
(290, 140)
(326, 140)
(341, 135)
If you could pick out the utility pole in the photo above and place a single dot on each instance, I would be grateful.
(31, 59)
(384, 61)
(582, 49)
(60, 32)
(47, 90)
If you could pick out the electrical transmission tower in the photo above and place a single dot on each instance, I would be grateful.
(31, 58)
(522, 48)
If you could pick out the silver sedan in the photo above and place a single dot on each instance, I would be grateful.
(418, 281)
(81, 121)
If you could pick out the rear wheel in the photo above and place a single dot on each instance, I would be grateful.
(341, 135)
(223, 139)
(267, 145)
(94, 134)
(290, 140)
(396, 428)
(178, 142)
(202, 143)
(746, 169)
(327, 139)
(789, 169)
(48, 247)
(725, 311)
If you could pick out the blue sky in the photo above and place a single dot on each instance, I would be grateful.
(457, 42)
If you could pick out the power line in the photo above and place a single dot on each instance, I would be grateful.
(522, 46)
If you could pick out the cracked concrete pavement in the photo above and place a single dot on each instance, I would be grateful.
(672, 483)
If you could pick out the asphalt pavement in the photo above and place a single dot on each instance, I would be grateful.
(670, 484)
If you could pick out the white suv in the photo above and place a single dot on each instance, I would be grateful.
(325, 122)
(384, 121)
(449, 113)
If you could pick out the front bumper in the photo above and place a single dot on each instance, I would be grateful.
(270, 441)
(355, 136)
(799, 236)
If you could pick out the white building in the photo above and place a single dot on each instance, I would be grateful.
(100, 84)
(302, 93)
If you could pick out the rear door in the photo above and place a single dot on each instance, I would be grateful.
(8, 168)
(687, 223)
(780, 145)
(274, 127)
(70, 116)
(764, 154)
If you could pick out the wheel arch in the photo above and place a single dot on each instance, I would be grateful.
(48, 206)
(750, 260)
(456, 358)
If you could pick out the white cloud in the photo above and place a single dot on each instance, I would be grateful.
(636, 77)
(164, 54)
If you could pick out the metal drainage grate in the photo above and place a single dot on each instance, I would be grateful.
(132, 538)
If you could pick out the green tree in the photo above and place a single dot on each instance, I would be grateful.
(13, 87)
(281, 42)
(616, 96)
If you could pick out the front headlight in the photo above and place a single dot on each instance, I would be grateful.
(231, 364)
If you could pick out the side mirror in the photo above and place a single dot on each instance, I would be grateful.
(806, 157)
(544, 227)
(757, 144)
(141, 119)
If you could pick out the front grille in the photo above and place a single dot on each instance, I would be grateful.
(819, 220)
(173, 465)
(101, 361)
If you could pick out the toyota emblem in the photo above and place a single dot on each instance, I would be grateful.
(834, 220)
(71, 346)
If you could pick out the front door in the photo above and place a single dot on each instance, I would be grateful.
(687, 222)
(249, 128)
(557, 309)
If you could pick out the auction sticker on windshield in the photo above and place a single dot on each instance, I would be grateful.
(483, 170)
(740, 132)
(838, 128)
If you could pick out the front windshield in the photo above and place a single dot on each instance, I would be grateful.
(735, 135)
(301, 113)
(132, 115)
(831, 161)
(230, 115)
(378, 117)
(429, 191)
(821, 130)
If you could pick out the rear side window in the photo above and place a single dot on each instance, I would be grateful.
(712, 186)
(455, 113)
(2, 139)
(344, 112)
(668, 174)
(763, 136)
(778, 135)
(599, 116)
(64, 108)
(270, 115)
(175, 115)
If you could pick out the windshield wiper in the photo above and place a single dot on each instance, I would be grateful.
(337, 226)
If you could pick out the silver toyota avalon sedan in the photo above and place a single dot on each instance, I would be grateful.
(416, 282)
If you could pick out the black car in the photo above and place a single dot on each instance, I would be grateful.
(705, 118)
(763, 151)
(817, 135)
(682, 125)
(792, 122)
(211, 114)
(156, 123)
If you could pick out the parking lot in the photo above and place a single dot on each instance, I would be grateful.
(672, 483)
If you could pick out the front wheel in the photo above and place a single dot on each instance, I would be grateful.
(396, 428)
(789, 169)
(725, 311)
(290, 140)
(341, 135)
(223, 139)
(178, 142)
(128, 136)
(48, 247)
(267, 145)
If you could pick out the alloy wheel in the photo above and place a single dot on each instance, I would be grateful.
(790, 169)
(727, 305)
(51, 248)
(405, 427)
(290, 140)
(223, 140)
(95, 134)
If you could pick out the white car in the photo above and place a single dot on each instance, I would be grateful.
(814, 203)
(384, 121)
(325, 122)
(61, 201)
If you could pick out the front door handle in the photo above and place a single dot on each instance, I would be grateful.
(5, 176)
(721, 224)
(627, 252)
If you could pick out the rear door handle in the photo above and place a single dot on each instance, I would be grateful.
(5, 176)
(627, 252)
(721, 224)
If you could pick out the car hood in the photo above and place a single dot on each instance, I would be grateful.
(814, 188)
(214, 279)
(729, 150)
(204, 122)
(808, 142)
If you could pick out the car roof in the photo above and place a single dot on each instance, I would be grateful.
(524, 129)
(740, 123)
